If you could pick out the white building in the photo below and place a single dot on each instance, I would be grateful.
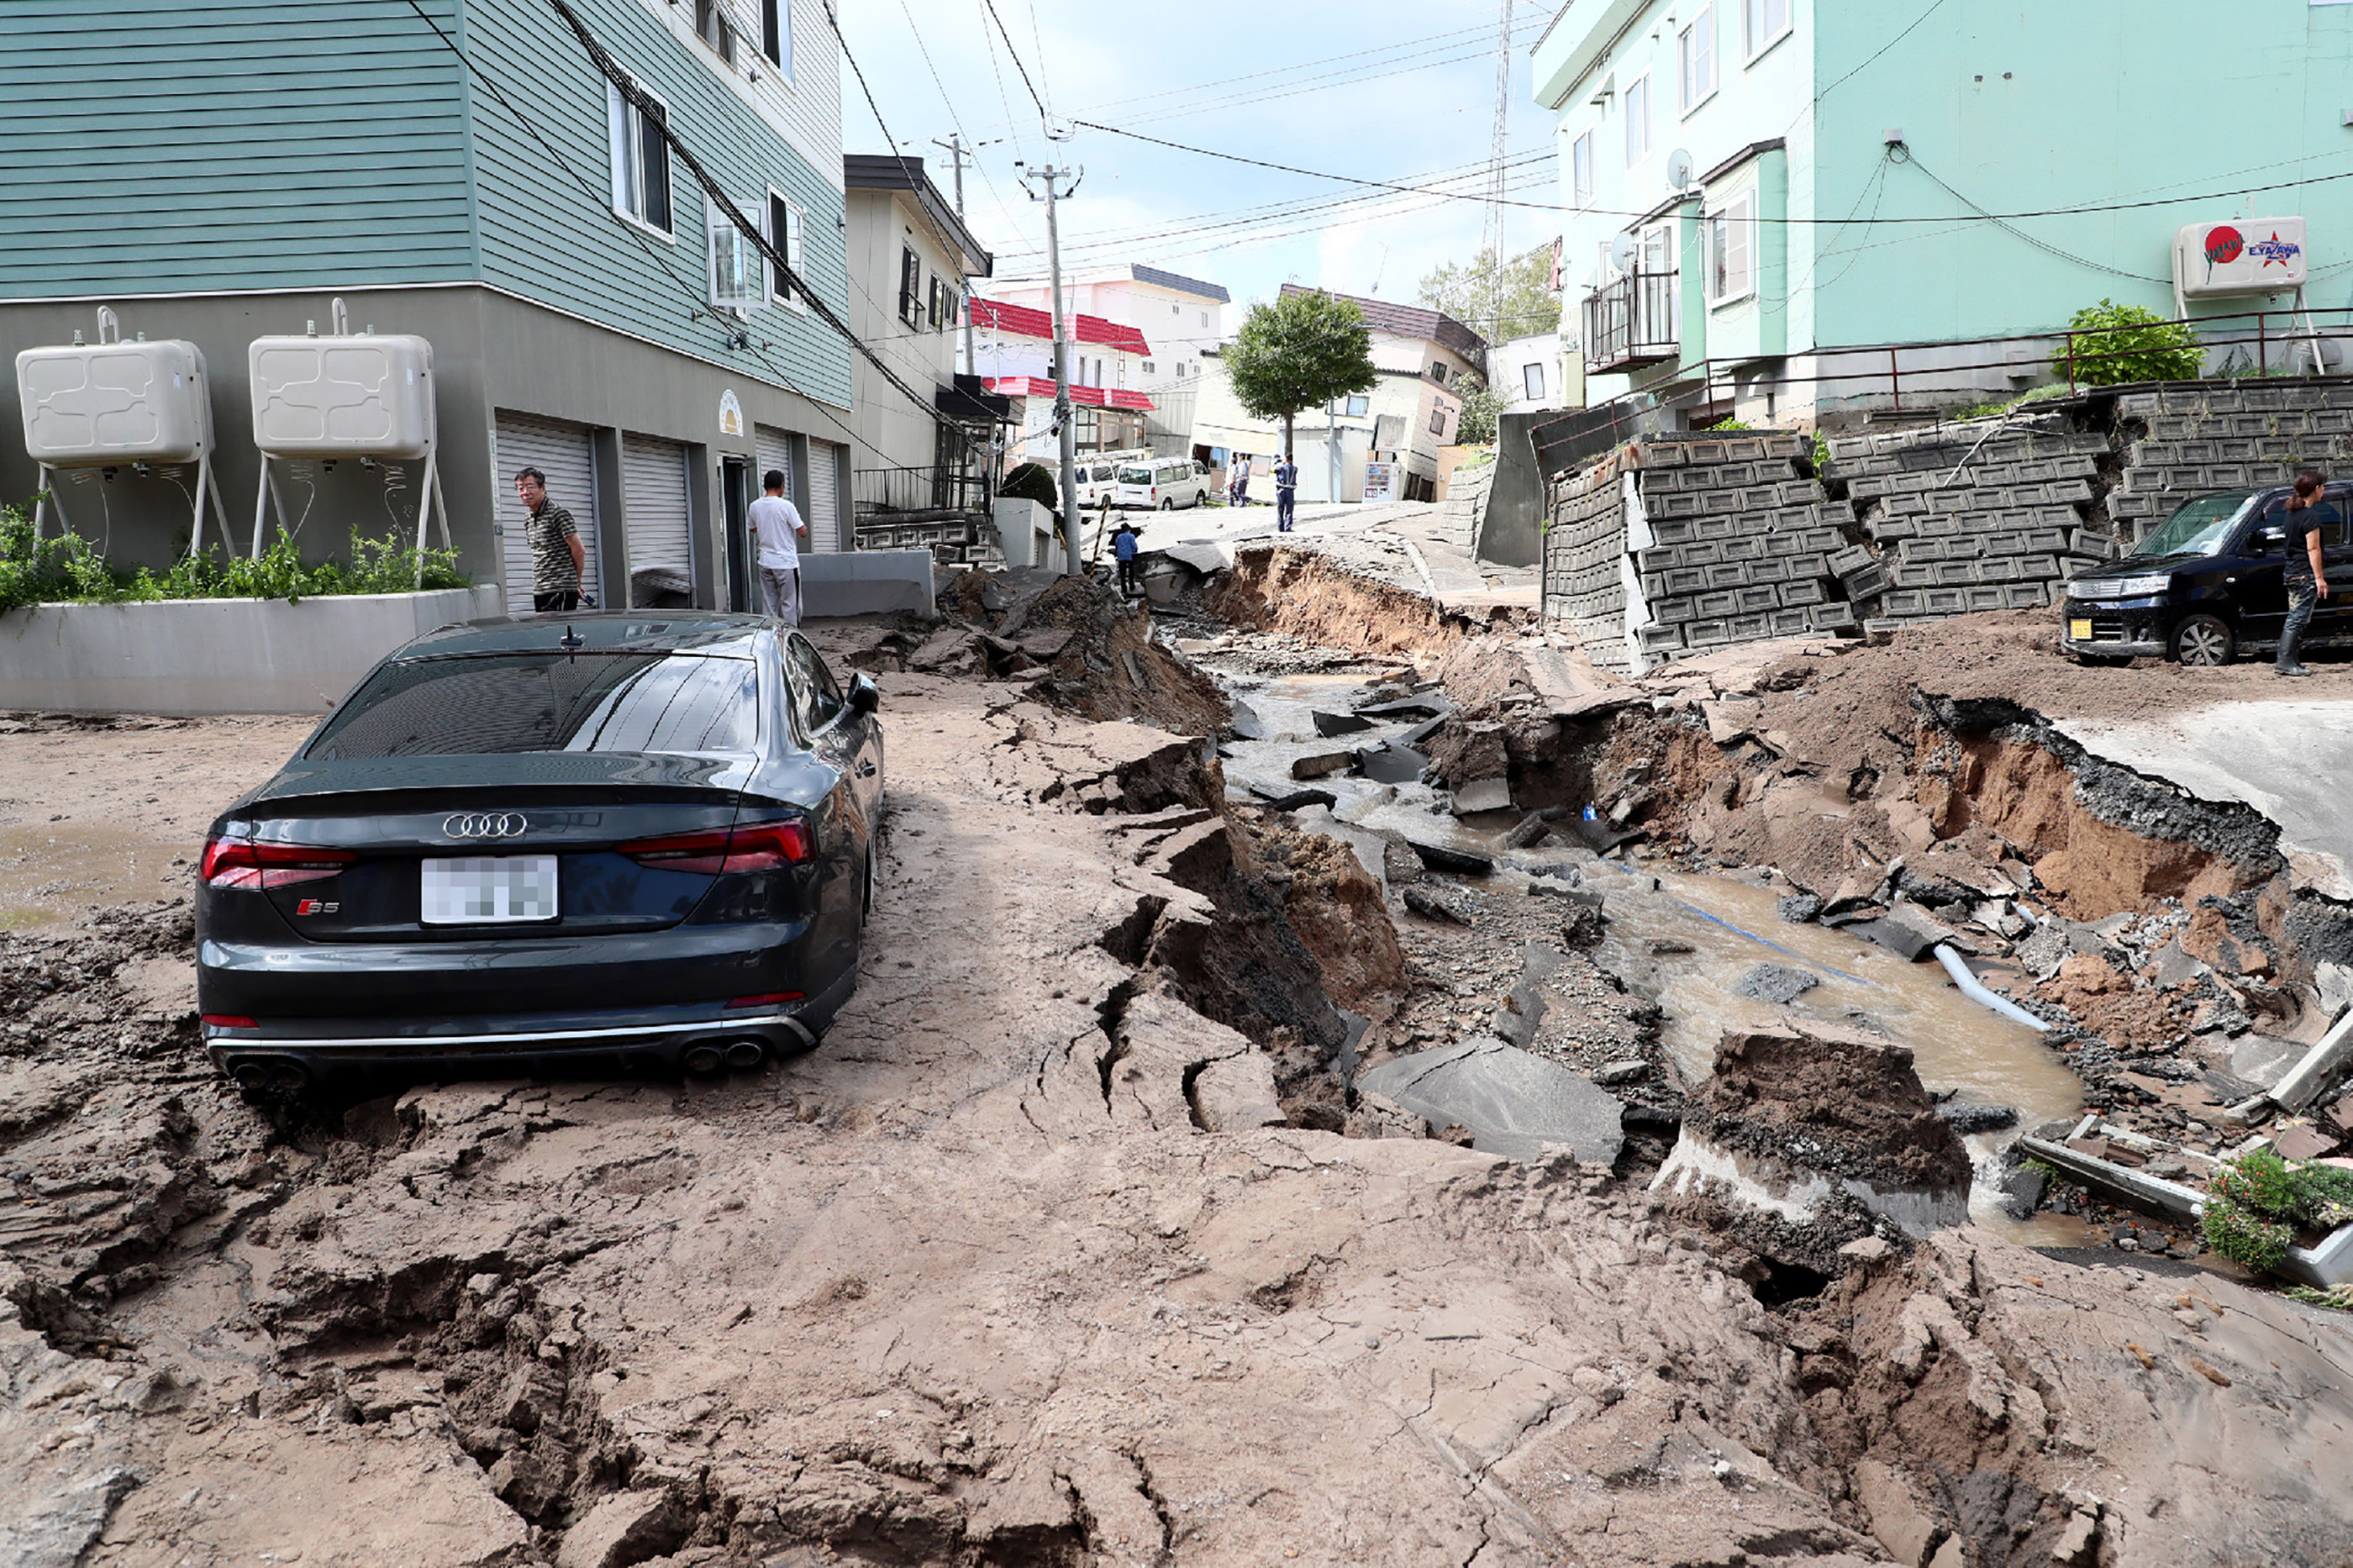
(1013, 346)
(1535, 373)
(1183, 318)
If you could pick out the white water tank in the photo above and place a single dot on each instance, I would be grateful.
(92, 404)
(354, 396)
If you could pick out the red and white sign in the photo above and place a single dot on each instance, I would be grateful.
(2244, 255)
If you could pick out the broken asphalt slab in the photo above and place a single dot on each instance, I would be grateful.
(1515, 1103)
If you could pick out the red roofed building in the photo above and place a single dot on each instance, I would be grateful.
(1013, 348)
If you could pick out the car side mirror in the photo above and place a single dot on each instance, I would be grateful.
(2267, 540)
(865, 697)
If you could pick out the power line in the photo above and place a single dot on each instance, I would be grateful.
(1017, 57)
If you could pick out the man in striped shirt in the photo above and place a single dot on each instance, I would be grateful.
(557, 556)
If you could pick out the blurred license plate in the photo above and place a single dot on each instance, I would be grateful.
(2080, 630)
(489, 890)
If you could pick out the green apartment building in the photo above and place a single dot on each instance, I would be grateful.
(1779, 207)
(459, 169)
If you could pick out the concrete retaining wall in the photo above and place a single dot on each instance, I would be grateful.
(866, 581)
(213, 656)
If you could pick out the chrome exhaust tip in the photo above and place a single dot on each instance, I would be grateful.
(705, 1058)
(250, 1074)
(289, 1078)
(745, 1053)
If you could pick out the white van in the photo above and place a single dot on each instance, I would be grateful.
(1098, 478)
(1164, 483)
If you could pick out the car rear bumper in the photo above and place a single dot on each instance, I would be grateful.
(657, 1038)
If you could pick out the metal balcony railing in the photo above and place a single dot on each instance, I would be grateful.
(1631, 322)
(875, 491)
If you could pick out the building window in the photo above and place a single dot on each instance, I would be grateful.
(710, 25)
(734, 272)
(1438, 421)
(1147, 367)
(1532, 382)
(640, 158)
(1176, 310)
(1727, 237)
(1358, 406)
(1696, 59)
(911, 286)
(1763, 21)
(1580, 170)
(952, 301)
(1205, 318)
(1438, 372)
(777, 33)
(785, 224)
(934, 310)
(1637, 121)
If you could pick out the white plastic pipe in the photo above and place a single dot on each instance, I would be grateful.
(1976, 992)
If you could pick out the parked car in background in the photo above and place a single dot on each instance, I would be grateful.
(2206, 584)
(1164, 484)
(647, 839)
(1098, 474)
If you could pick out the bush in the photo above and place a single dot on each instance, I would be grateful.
(69, 569)
(2257, 1202)
(2131, 343)
(1033, 481)
(1482, 406)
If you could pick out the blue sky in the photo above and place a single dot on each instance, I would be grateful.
(1382, 89)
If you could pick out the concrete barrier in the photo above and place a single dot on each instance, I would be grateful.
(213, 656)
(866, 582)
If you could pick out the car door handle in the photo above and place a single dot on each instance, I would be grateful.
(866, 769)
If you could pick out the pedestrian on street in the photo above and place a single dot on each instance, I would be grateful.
(777, 530)
(1122, 545)
(557, 556)
(2306, 519)
(1286, 492)
(1241, 472)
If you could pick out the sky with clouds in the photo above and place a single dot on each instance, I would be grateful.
(1400, 90)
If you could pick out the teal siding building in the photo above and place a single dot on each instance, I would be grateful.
(1789, 207)
(219, 170)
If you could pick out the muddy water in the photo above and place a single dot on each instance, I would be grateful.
(1728, 924)
(57, 871)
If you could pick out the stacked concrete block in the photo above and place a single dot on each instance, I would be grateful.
(2195, 437)
(953, 542)
(1973, 516)
(1465, 505)
(1584, 558)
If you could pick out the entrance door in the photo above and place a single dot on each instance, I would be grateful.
(735, 498)
(561, 452)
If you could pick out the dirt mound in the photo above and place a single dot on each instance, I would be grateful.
(1836, 1100)
(1336, 908)
(1310, 595)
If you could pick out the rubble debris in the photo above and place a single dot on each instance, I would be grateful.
(1429, 906)
(1971, 1116)
(1323, 765)
(1328, 724)
(1515, 1103)
(1460, 862)
(1476, 795)
(1391, 763)
(1299, 799)
(1775, 983)
(1798, 909)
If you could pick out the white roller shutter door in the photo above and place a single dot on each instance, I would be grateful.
(561, 452)
(825, 497)
(775, 450)
(653, 493)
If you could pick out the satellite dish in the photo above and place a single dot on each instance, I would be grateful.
(1621, 252)
(1679, 169)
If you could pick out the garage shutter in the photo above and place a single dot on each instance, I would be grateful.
(776, 452)
(653, 491)
(561, 452)
(825, 497)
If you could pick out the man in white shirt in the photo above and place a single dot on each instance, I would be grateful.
(777, 532)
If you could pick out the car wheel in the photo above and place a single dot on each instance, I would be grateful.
(1167, 503)
(2204, 641)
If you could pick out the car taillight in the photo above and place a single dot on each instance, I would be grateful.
(755, 846)
(233, 862)
(228, 1021)
(767, 999)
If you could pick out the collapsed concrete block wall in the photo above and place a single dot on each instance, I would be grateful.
(1465, 506)
(1974, 516)
(2179, 441)
(1584, 571)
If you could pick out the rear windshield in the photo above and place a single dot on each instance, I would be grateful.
(2198, 529)
(1135, 476)
(625, 702)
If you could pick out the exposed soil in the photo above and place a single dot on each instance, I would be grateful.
(1310, 597)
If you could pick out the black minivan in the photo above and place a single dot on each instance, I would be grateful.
(2206, 585)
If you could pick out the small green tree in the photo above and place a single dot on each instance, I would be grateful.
(1469, 291)
(1480, 405)
(1033, 481)
(2130, 343)
(1299, 352)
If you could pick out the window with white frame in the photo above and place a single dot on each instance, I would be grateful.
(1438, 421)
(711, 26)
(1580, 170)
(1731, 245)
(736, 277)
(1695, 59)
(785, 222)
(1762, 21)
(1359, 404)
(1637, 121)
(640, 158)
(776, 34)
(1532, 382)
(911, 286)
(1147, 367)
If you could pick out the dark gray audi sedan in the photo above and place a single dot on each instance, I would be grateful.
(647, 838)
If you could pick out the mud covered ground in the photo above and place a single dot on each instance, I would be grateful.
(1040, 1258)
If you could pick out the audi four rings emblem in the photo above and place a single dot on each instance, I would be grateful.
(485, 824)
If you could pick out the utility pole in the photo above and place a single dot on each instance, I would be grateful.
(1048, 176)
(959, 155)
(1494, 237)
